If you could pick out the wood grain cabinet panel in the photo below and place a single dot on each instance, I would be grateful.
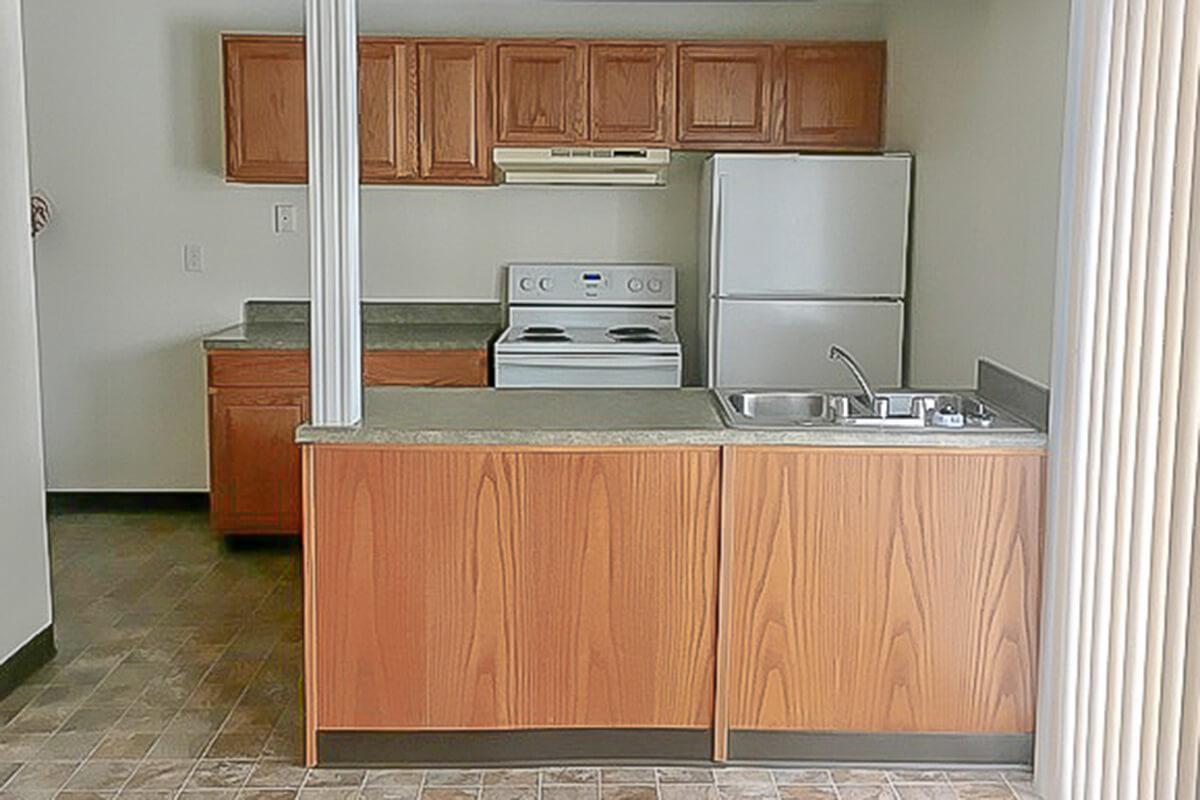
(258, 397)
(541, 94)
(473, 588)
(833, 95)
(630, 91)
(725, 93)
(425, 368)
(255, 463)
(877, 590)
(387, 110)
(618, 595)
(415, 630)
(266, 137)
(454, 101)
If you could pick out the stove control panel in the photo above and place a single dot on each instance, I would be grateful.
(586, 284)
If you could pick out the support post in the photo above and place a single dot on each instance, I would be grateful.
(333, 206)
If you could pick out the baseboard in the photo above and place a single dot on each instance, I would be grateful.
(881, 748)
(94, 502)
(343, 748)
(31, 657)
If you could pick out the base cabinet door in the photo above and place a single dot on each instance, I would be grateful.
(491, 589)
(255, 461)
(883, 590)
(616, 602)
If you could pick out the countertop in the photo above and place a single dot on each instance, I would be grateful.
(612, 417)
(376, 336)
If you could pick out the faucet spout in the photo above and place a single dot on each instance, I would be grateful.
(837, 353)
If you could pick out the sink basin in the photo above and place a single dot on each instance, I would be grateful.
(782, 407)
(746, 408)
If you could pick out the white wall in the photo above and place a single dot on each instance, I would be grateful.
(24, 556)
(126, 132)
(977, 92)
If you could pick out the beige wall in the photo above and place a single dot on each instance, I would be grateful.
(125, 104)
(24, 554)
(977, 92)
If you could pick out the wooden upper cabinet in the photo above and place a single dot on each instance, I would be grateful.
(387, 110)
(265, 109)
(454, 100)
(833, 95)
(630, 92)
(725, 93)
(541, 94)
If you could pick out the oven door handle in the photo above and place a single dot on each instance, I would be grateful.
(586, 362)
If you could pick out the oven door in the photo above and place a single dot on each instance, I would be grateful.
(588, 371)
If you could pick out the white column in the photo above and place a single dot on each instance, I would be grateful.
(333, 196)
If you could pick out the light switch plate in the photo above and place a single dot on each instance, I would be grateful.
(285, 218)
(193, 258)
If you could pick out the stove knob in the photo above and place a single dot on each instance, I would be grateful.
(546, 284)
(526, 284)
(655, 285)
(635, 285)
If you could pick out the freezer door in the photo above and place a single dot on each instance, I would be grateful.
(810, 226)
(785, 344)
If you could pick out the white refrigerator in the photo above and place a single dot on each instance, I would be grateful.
(799, 253)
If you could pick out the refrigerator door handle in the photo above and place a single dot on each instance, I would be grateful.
(717, 247)
(718, 236)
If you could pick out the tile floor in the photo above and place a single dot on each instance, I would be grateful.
(178, 679)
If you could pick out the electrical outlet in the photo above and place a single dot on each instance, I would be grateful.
(285, 218)
(193, 258)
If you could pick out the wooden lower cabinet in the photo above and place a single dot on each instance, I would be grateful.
(257, 399)
(255, 464)
(882, 590)
(493, 588)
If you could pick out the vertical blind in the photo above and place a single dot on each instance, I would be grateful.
(1119, 707)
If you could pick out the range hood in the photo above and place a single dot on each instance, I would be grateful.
(576, 166)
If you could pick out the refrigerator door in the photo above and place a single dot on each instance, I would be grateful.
(810, 226)
(770, 344)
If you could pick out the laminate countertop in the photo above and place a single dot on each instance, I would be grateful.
(603, 417)
(376, 336)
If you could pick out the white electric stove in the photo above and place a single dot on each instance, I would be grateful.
(590, 326)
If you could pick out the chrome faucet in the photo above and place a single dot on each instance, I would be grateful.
(837, 353)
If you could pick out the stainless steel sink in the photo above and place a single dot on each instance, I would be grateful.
(898, 409)
(795, 408)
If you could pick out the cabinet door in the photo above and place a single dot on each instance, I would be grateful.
(255, 469)
(453, 100)
(540, 90)
(415, 560)
(833, 96)
(883, 590)
(630, 93)
(474, 588)
(617, 597)
(387, 110)
(266, 138)
(725, 94)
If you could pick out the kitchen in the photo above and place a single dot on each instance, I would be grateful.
(611, 240)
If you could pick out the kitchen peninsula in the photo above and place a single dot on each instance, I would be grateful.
(532, 575)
